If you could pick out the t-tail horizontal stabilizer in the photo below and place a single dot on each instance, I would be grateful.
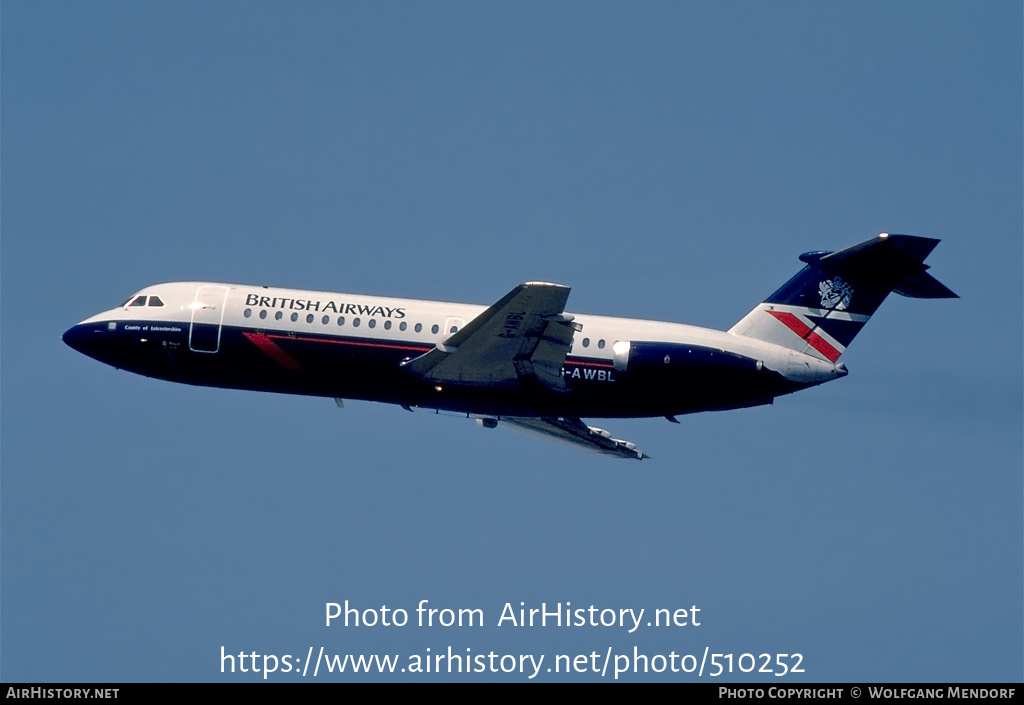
(820, 310)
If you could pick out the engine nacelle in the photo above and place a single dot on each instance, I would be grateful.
(639, 357)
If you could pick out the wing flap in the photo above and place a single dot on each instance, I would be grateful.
(572, 431)
(524, 336)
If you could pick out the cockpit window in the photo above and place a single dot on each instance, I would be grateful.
(141, 301)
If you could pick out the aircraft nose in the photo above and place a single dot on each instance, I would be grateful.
(84, 338)
(73, 337)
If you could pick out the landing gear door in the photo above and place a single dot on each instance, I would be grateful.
(207, 318)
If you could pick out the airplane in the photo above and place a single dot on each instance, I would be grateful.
(523, 362)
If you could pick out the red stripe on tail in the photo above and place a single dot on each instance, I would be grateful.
(805, 332)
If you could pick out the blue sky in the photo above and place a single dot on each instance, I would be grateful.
(667, 161)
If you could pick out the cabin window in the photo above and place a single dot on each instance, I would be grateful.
(372, 323)
(278, 316)
(309, 318)
(263, 313)
(453, 329)
(295, 317)
(419, 327)
(600, 343)
(403, 325)
(341, 320)
(155, 301)
(586, 342)
(247, 312)
(387, 325)
(435, 328)
(325, 320)
(355, 322)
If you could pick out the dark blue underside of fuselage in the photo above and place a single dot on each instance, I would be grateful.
(662, 378)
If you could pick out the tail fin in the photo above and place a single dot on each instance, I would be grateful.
(822, 308)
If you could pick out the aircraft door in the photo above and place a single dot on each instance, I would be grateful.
(207, 318)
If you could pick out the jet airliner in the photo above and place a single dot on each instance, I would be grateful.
(523, 362)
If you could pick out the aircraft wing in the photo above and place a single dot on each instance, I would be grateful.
(573, 431)
(523, 338)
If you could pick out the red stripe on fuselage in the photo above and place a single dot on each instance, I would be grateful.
(805, 332)
(273, 351)
(589, 363)
(266, 344)
(409, 347)
(350, 342)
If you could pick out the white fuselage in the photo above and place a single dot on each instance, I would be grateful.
(332, 344)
